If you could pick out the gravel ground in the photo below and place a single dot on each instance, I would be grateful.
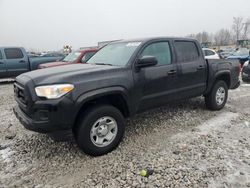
(184, 144)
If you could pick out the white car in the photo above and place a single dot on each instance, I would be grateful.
(210, 54)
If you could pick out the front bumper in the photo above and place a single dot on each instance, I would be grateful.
(236, 85)
(30, 124)
(43, 126)
(54, 117)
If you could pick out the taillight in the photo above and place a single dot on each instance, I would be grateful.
(240, 67)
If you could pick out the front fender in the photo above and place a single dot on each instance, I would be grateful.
(90, 95)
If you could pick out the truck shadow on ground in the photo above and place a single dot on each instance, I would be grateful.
(167, 118)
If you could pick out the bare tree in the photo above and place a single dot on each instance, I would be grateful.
(222, 37)
(193, 36)
(237, 27)
(246, 29)
(205, 37)
(201, 37)
(198, 37)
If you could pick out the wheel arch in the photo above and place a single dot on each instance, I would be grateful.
(222, 75)
(226, 77)
(115, 96)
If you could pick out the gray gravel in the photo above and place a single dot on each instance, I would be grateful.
(184, 144)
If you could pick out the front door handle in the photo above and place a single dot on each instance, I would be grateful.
(200, 67)
(22, 61)
(172, 72)
(1, 62)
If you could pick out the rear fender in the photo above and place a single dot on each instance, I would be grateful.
(225, 74)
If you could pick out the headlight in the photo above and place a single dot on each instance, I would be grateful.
(246, 64)
(53, 91)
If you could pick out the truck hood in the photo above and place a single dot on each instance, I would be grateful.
(66, 74)
(53, 64)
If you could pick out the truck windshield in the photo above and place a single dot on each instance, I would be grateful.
(117, 54)
(71, 57)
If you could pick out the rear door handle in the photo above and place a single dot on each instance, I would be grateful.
(172, 72)
(22, 61)
(200, 67)
(1, 62)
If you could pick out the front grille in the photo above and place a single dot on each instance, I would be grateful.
(20, 94)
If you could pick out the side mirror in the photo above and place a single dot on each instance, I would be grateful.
(146, 61)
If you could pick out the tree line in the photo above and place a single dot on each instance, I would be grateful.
(240, 30)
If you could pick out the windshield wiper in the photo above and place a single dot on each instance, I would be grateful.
(103, 64)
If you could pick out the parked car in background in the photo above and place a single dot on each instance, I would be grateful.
(92, 100)
(224, 53)
(15, 61)
(31, 55)
(242, 54)
(53, 54)
(210, 54)
(80, 56)
(246, 72)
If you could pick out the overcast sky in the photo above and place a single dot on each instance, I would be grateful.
(50, 24)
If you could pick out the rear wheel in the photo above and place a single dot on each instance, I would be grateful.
(100, 130)
(217, 97)
(245, 80)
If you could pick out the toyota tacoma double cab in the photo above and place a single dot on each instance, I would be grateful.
(91, 101)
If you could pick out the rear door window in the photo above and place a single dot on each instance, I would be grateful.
(186, 51)
(1, 55)
(13, 53)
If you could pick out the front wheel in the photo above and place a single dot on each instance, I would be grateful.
(100, 130)
(217, 97)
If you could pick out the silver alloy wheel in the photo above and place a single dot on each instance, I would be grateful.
(103, 131)
(220, 96)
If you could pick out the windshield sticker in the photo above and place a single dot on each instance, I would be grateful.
(133, 44)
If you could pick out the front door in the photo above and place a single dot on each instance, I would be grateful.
(16, 62)
(157, 83)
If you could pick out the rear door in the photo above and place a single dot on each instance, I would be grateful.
(3, 69)
(16, 61)
(192, 74)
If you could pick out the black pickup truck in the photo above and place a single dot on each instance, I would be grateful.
(91, 101)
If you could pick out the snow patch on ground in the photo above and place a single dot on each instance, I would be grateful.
(217, 122)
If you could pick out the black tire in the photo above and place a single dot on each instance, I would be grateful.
(210, 98)
(245, 80)
(86, 122)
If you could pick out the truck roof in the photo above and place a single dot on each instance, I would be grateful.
(154, 38)
(2, 47)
